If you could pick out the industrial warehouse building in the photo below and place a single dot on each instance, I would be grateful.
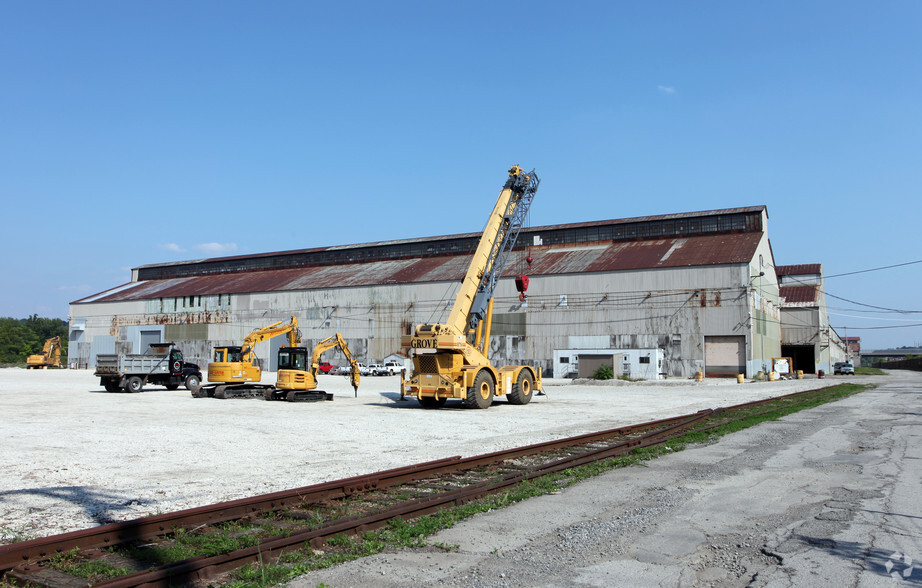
(653, 297)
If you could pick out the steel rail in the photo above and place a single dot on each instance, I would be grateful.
(158, 525)
(200, 568)
(145, 528)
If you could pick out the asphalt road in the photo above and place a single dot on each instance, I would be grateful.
(825, 497)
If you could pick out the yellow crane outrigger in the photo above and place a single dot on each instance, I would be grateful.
(298, 382)
(49, 357)
(234, 373)
(451, 358)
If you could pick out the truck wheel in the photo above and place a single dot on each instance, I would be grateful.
(480, 395)
(522, 389)
(111, 386)
(133, 384)
(192, 382)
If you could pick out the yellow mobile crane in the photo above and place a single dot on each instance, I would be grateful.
(49, 357)
(234, 372)
(298, 382)
(449, 364)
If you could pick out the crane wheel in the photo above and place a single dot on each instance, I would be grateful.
(522, 389)
(480, 395)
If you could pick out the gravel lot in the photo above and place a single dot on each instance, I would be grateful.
(75, 456)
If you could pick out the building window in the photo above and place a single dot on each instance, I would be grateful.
(564, 360)
(645, 359)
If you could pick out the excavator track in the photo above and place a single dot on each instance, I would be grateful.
(232, 391)
(297, 395)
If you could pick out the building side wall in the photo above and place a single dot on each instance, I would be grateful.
(670, 309)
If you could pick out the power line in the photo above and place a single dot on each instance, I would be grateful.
(873, 269)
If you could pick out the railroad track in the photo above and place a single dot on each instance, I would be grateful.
(310, 516)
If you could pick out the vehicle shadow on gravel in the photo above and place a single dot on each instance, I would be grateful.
(98, 505)
(393, 400)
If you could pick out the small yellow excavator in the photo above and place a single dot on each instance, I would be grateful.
(296, 382)
(235, 373)
(49, 357)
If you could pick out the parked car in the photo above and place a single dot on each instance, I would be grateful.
(347, 369)
(326, 367)
(376, 369)
(392, 368)
(843, 367)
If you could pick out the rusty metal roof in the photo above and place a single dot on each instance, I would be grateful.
(802, 269)
(704, 250)
(798, 294)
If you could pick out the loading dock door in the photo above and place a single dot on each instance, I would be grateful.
(724, 357)
(588, 364)
(803, 356)
(148, 337)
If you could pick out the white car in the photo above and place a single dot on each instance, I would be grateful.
(393, 367)
(376, 369)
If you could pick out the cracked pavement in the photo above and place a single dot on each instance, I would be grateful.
(825, 497)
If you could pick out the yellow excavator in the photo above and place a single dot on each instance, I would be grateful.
(450, 359)
(49, 357)
(296, 382)
(235, 373)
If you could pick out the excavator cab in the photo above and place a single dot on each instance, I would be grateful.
(294, 370)
(229, 367)
(228, 354)
(293, 358)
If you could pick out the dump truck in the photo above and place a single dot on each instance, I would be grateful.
(162, 365)
(451, 358)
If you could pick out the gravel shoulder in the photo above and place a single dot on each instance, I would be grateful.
(75, 456)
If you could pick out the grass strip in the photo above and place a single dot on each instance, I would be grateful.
(413, 534)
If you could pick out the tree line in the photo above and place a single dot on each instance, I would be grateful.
(20, 338)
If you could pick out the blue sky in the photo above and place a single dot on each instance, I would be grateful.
(137, 133)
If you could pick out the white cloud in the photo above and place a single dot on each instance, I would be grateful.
(172, 247)
(666, 89)
(216, 247)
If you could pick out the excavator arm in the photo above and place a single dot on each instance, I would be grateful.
(329, 343)
(273, 330)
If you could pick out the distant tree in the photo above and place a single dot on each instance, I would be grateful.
(20, 338)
